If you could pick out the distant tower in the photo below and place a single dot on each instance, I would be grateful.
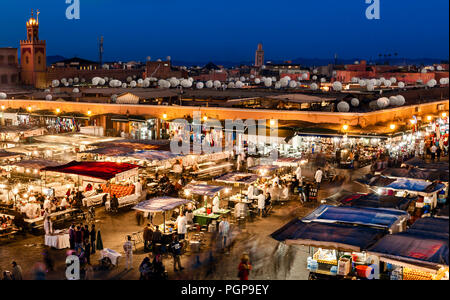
(100, 51)
(259, 56)
(33, 56)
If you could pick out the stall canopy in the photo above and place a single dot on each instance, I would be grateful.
(203, 190)
(421, 164)
(238, 178)
(288, 162)
(415, 185)
(402, 184)
(415, 173)
(151, 155)
(342, 237)
(268, 168)
(160, 204)
(8, 155)
(37, 164)
(375, 200)
(376, 217)
(100, 170)
(427, 242)
(108, 151)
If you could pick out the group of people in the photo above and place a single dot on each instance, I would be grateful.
(83, 241)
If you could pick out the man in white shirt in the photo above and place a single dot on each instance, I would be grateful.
(318, 177)
(181, 226)
(298, 173)
(128, 249)
(251, 192)
(433, 152)
(216, 204)
(261, 203)
(47, 205)
(138, 187)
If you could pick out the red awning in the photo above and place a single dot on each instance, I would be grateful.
(101, 170)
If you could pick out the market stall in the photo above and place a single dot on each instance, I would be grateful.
(207, 212)
(420, 253)
(338, 238)
(103, 177)
(162, 206)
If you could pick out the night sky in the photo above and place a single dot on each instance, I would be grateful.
(229, 30)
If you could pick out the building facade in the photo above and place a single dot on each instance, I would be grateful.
(9, 67)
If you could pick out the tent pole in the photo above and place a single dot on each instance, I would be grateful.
(164, 219)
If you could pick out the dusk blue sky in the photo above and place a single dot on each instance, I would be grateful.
(229, 30)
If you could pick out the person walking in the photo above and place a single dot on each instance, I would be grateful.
(72, 236)
(433, 150)
(78, 241)
(438, 153)
(261, 203)
(128, 249)
(175, 248)
(93, 235)
(87, 250)
(318, 177)
(16, 271)
(148, 236)
(224, 228)
(156, 239)
(244, 267)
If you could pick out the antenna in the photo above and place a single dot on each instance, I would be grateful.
(100, 51)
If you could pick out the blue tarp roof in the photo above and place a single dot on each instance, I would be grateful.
(412, 247)
(376, 200)
(432, 224)
(426, 241)
(415, 185)
(337, 236)
(379, 217)
(160, 204)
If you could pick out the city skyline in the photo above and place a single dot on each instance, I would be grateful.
(222, 33)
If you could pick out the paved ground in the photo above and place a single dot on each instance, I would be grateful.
(270, 260)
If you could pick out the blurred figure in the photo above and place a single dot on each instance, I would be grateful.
(244, 267)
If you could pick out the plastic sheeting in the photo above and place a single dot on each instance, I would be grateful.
(160, 204)
(236, 177)
(337, 236)
(378, 217)
(203, 190)
(415, 173)
(426, 241)
(375, 200)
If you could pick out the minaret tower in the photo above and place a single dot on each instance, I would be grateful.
(33, 55)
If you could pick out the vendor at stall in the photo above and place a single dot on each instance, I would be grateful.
(216, 204)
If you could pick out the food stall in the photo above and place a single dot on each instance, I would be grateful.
(204, 214)
(107, 175)
(162, 206)
(420, 253)
(338, 238)
(427, 192)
